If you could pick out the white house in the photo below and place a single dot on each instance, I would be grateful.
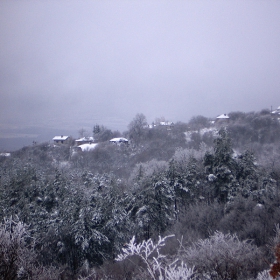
(60, 139)
(119, 140)
(5, 154)
(84, 140)
(223, 117)
(277, 111)
(166, 123)
(87, 147)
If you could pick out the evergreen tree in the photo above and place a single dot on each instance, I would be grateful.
(246, 174)
(155, 208)
(221, 167)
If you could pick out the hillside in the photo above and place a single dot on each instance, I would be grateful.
(204, 182)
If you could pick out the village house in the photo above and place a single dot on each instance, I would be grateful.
(5, 154)
(276, 112)
(223, 117)
(61, 139)
(168, 125)
(119, 140)
(82, 148)
(84, 140)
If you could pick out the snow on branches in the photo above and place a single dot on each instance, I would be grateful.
(156, 263)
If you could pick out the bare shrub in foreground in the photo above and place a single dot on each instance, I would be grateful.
(156, 264)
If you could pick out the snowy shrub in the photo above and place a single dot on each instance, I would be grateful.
(14, 254)
(156, 264)
(264, 275)
(17, 254)
(224, 256)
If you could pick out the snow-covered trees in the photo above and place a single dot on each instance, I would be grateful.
(154, 209)
(81, 215)
(137, 128)
(102, 133)
(222, 166)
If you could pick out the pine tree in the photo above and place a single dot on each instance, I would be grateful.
(221, 167)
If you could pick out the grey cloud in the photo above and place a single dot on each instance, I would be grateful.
(105, 61)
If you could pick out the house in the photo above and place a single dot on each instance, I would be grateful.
(151, 125)
(276, 112)
(87, 147)
(168, 125)
(74, 150)
(60, 139)
(223, 117)
(119, 140)
(5, 154)
(84, 140)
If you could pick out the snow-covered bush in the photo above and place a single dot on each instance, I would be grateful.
(224, 256)
(264, 275)
(156, 264)
(17, 254)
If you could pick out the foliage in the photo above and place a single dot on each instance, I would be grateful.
(154, 210)
(221, 167)
(102, 133)
(137, 128)
(198, 122)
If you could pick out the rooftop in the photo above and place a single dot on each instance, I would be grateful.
(59, 138)
(223, 116)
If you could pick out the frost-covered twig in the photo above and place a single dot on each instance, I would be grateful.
(179, 272)
(149, 252)
(144, 250)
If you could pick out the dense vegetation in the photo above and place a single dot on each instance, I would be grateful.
(213, 186)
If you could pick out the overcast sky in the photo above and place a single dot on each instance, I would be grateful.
(78, 63)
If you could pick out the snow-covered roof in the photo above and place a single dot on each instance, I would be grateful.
(5, 154)
(223, 116)
(277, 111)
(87, 147)
(84, 139)
(119, 140)
(59, 138)
(166, 123)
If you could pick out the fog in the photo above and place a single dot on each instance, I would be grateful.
(65, 65)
